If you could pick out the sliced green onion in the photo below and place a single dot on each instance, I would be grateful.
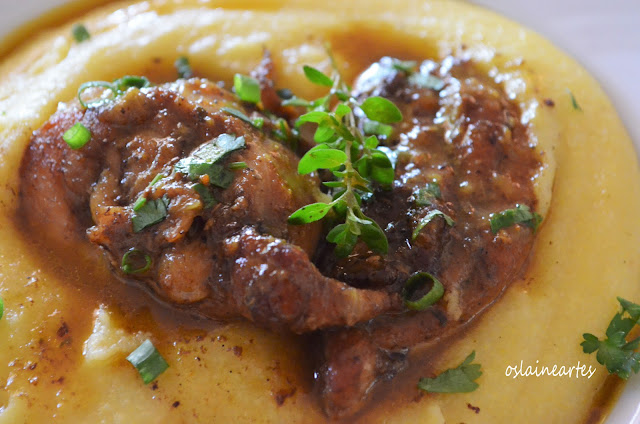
(80, 33)
(521, 214)
(94, 84)
(416, 282)
(1, 308)
(428, 218)
(246, 88)
(238, 165)
(135, 262)
(148, 361)
(77, 136)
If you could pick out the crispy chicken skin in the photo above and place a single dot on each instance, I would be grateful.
(237, 258)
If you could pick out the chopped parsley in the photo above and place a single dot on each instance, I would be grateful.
(428, 218)
(80, 33)
(150, 213)
(247, 88)
(205, 160)
(455, 380)
(615, 352)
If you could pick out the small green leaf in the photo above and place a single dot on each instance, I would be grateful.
(321, 157)
(376, 128)
(342, 110)
(317, 77)
(456, 380)
(381, 110)
(315, 116)
(296, 101)
(77, 136)
(521, 214)
(324, 133)
(80, 33)
(148, 361)
(426, 196)
(183, 67)
(151, 213)
(381, 168)
(309, 213)
(428, 218)
(205, 194)
(246, 88)
(374, 237)
(204, 160)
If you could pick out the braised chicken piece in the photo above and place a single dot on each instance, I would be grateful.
(461, 151)
(192, 202)
(188, 196)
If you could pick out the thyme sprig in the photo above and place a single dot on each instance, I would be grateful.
(353, 158)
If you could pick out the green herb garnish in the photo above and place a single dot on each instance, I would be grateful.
(117, 87)
(234, 166)
(426, 196)
(205, 194)
(521, 214)
(80, 33)
(1, 308)
(135, 262)
(426, 81)
(574, 102)
(428, 218)
(614, 352)
(455, 380)
(257, 123)
(77, 136)
(150, 213)
(205, 160)
(247, 88)
(148, 361)
(419, 281)
(354, 160)
(183, 67)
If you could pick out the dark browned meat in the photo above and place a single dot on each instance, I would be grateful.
(463, 133)
(237, 257)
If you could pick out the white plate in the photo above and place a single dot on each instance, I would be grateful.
(602, 35)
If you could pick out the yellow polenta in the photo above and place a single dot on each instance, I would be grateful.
(67, 328)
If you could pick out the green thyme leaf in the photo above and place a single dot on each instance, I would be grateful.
(456, 380)
(521, 214)
(310, 213)
(316, 76)
(376, 128)
(321, 157)
(151, 213)
(80, 33)
(77, 136)
(183, 67)
(148, 361)
(246, 88)
(381, 110)
(428, 218)
(614, 352)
